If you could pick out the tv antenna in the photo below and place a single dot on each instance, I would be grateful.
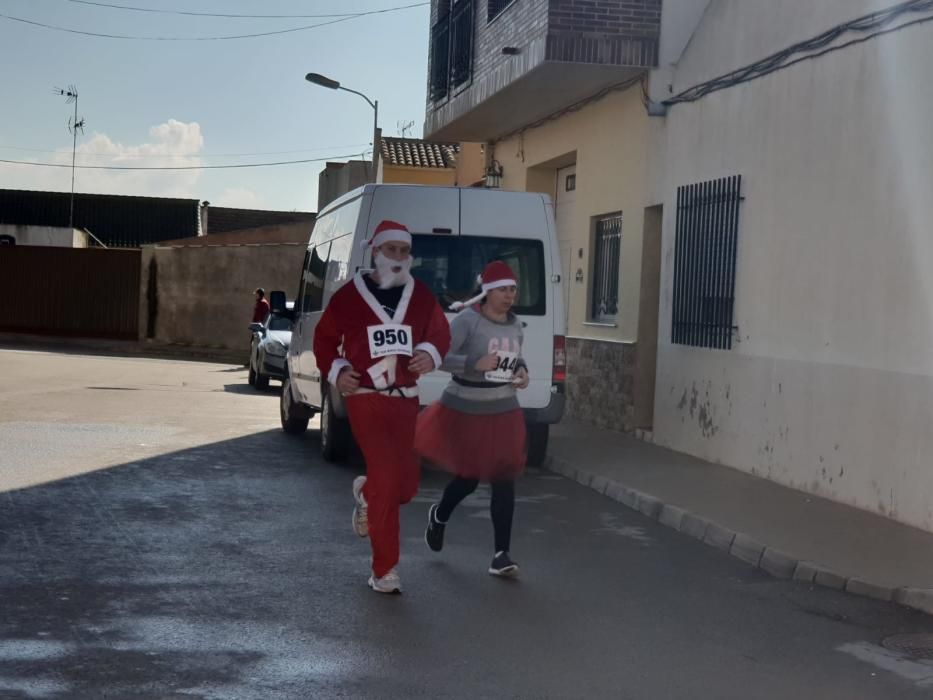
(404, 127)
(74, 126)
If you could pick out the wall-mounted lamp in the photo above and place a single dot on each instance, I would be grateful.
(579, 276)
(494, 175)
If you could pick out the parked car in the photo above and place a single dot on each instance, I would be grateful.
(456, 232)
(269, 347)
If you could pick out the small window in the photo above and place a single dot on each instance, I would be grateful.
(312, 295)
(606, 262)
(570, 183)
(496, 8)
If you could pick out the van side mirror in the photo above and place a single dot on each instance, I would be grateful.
(277, 302)
(256, 327)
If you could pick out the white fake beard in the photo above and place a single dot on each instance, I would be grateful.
(389, 278)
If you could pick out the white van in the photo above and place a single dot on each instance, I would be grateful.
(455, 231)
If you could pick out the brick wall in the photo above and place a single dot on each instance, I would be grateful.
(630, 17)
(517, 25)
(601, 383)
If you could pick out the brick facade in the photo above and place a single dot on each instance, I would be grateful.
(606, 32)
(601, 383)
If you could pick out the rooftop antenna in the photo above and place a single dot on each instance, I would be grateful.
(74, 126)
(404, 127)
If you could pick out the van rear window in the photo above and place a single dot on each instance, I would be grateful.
(449, 265)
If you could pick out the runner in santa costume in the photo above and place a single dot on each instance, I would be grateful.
(378, 334)
(477, 429)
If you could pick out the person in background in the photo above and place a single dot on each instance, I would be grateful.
(261, 309)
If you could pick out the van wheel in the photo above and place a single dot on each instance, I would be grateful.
(537, 443)
(294, 415)
(335, 432)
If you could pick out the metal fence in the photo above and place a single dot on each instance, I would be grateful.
(607, 259)
(704, 262)
(84, 292)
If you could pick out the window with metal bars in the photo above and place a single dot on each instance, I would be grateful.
(495, 8)
(606, 262)
(451, 47)
(440, 59)
(461, 42)
(704, 263)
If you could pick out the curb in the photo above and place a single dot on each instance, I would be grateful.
(740, 545)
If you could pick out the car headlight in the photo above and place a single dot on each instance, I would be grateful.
(277, 349)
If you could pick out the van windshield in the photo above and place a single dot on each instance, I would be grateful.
(449, 265)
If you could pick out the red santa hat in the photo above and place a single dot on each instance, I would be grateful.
(388, 231)
(496, 274)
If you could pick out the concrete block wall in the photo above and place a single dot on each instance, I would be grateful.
(203, 297)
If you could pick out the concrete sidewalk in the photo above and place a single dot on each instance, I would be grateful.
(783, 531)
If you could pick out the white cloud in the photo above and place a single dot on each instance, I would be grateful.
(173, 143)
(238, 197)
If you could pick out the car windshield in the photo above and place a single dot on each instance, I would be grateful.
(279, 323)
(449, 265)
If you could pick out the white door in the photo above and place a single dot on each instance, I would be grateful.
(564, 213)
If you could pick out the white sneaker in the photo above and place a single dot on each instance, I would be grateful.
(390, 583)
(360, 511)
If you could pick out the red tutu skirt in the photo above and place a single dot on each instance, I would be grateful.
(484, 447)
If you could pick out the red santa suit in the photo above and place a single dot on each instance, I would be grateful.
(356, 331)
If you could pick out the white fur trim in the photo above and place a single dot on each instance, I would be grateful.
(370, 300)
(335, 369)
(499, 283)
(396, 235)
(432, 351)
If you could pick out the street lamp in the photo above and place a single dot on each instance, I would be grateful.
(322, 81)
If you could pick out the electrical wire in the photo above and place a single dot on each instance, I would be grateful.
(206, 14)
(184, 155)
(818, 46)
(102, 35)
(176, 167)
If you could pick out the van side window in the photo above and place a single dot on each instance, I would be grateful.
(301, 283)
(312, 293)
(338, 265)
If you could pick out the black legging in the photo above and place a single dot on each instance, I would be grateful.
(501, 506)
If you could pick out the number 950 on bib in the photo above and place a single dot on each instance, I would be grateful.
(389, 339)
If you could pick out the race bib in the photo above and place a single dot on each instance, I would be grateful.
(504, 371)
(389, 339)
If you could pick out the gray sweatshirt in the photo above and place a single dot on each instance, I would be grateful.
(473, 336)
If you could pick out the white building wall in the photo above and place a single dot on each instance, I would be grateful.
(45, 235)
(829, 387)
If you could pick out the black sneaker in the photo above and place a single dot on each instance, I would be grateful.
(502, 565)
(434, 534)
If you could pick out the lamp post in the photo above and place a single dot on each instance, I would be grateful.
(322, 81)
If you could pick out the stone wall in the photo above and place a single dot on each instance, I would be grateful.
(601, 383)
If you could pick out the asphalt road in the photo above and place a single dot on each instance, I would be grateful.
(161, 538)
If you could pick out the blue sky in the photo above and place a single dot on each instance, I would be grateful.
(149, 102)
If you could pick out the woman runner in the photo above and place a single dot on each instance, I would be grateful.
(477, 430)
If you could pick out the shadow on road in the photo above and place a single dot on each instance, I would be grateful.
(245, 388)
